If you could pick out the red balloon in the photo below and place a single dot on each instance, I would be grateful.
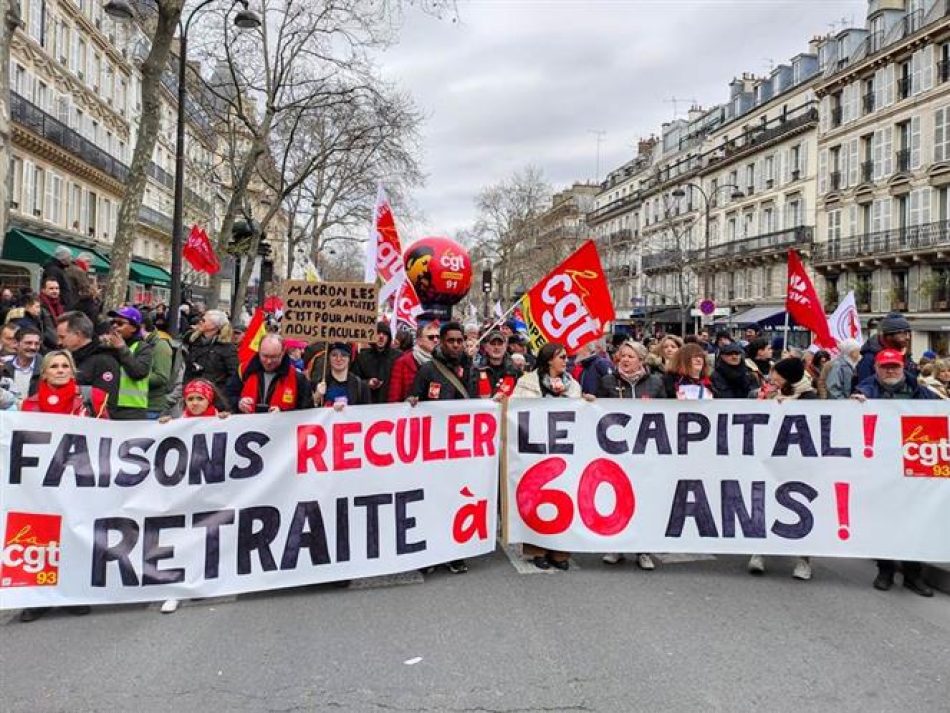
(440, 269)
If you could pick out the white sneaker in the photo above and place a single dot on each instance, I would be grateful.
(613, 558)
(756, 564)
(644, 561)
(169, 606)
(802, 569)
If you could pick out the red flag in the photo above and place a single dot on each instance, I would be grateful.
(572, 304)
(384, 251)
(199, 253)
(251, 342)
(406, 307)
(803, 305)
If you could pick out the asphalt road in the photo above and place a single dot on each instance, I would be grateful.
(691, 636)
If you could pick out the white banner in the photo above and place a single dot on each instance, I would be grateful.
(824, 478)
(107, 512)
(845, 322)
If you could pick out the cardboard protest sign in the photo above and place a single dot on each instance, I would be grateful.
(106, 511)
(329, 311)
(823, 478)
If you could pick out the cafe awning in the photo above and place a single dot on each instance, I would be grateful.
(146, 274)
(23, 246)
(767, 316)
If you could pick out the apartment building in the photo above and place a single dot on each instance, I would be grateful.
(884, 166)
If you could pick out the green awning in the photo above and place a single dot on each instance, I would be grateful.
(26, 247)
(146, 274)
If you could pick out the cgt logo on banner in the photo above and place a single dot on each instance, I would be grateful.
(30, 556)
(731, 477)
(926, 446)
(208, 507)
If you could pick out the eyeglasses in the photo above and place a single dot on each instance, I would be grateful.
(560, 356)
(431, 337)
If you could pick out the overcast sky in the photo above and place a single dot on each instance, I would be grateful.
(517, 82)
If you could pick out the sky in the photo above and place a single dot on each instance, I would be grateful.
(528, 82)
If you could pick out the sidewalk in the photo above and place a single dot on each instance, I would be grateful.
(938, 576)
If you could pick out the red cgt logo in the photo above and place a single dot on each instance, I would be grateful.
(30, 555)
(926, 446)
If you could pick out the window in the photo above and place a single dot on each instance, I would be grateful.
(91, 205)
(36, 20)
(942, 134)
(80, 67)
(903, 80)
(39, 190)
(63, 41)
(40, 95)
(16, 182)
(834, 225)
(867, 101)
(75, 208)
(55, 199)
(750, 178)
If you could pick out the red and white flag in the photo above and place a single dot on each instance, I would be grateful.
(844, 322)
(384, 264)
(199, 253)
(406, 308)
(803, 305)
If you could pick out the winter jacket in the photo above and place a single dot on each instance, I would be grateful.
(431, 385)
(672, 382)
(403, 373)
(97, 366)
(872, 346)
(840, 379)
(938, 387)
(55, 270)
(595, 367)
(358, 392)
(79, 285)
(160, 375)
(497, 377)
(213, 360)
(908, 389)
(374, 363)
(289, 390)
(733, 382)
(529, 387)
(615, 386)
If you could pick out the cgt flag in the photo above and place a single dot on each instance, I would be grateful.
(406, 308)
(384, 264)
(803, 305)
(199, 253)
(571, 304)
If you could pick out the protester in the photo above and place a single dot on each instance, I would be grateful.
(7, 302)
(55, 270)
(497, 373)
(666, 350)
(96, 364)
(518, 344)
(759, 355)
(688, 376)
(404, 341)
(341, 387)
(37, 317)
(8, 339)
(375, 364)
(702, 338)
(407, 365)
(551, 379)
(160, 374)
(839, 378)
(815, 368)
(210, 355)
(447, 376)
(270, 382)
(936, 377)
(790, 383)
(723, 337)
(592, 366)
(23, 368)
(472, 341)
(295, 349)
(518, 363)
(631, 380)
(134, 355)
(891, 381)
(893, 332)
(51, 301)
(732, 378)
(77, 277)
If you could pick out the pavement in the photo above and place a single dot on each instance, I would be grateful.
(697, 634)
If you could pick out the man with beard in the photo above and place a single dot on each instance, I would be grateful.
(445, 377)
(732, 378)
(375, 365)
(497, 374)
(891, 381)
(893, 332)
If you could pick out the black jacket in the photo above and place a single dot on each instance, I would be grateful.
(614, 386)
(55, 270)
(733, 382)
(97, 366)
(374, 363)
(429, 375)
(214, 360)
(358, 392)
(495, 375)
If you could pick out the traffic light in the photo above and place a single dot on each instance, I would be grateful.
(264, 248)
(486, 280)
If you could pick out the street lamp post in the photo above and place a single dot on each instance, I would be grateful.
(245, 19)
(736, 195)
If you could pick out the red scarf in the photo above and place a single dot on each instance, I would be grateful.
(283, 396)
(55, 307)
(63, 399)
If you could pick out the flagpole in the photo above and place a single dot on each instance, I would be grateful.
(499, 321)
(784, 335)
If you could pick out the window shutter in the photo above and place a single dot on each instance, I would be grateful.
(803, 159)
(825, 113)
(879, 88)
(823, 172)
(940, 134)
(915, 142)
(853, 163)
(887, 148)
(915, 73)
(889, 71)
(852, 219)
(876, 155)
(926, 195)
(27, 206)
(929, 62)
(914, 202)
(886, 213)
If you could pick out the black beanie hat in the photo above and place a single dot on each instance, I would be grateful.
(791, 369)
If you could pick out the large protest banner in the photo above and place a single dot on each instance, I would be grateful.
(96, 512)
(329, 311)
(825, 478)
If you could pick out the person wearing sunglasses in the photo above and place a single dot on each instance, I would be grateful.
(407, 364)
(134, 355)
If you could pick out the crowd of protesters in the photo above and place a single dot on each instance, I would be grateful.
(60, 354)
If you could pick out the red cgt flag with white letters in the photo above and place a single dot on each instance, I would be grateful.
(803, 305)
(571, 305)
(199, 253)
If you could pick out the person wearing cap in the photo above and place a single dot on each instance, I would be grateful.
(55, 269)
(518, 344)
(893, 332)
(134, 355)
(375, 364)
(341, 387)
(790, 382)
(496, 374)
(732, 378)
(295, 349)
(891, 381)
(270, 383)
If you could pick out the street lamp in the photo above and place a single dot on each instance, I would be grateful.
(736, 194)
(245, 19)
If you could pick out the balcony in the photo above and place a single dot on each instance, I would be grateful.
(903, 87)
(31, 117)
(153, 170)
(757, 137)
(867, 171)
(155, 219)
(897, 243)
(662, 260)
(868, 102)
(198, 201)
(943, 70)
(902, 161)
(757, 246)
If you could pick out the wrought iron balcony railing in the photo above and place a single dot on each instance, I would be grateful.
(885, 243)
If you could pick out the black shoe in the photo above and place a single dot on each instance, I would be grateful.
(917, 586)
(342, 583)
(540, 562)
(457, 567)
(562, 565)
(32, 614)
(883, 581)
(427, 570)
(80, 610)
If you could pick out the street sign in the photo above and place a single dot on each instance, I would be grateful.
(707, 307)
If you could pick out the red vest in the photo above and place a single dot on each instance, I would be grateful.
(283, 395)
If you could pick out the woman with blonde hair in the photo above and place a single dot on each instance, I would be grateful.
(936, 377)
(663, 353)
(58, 391)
